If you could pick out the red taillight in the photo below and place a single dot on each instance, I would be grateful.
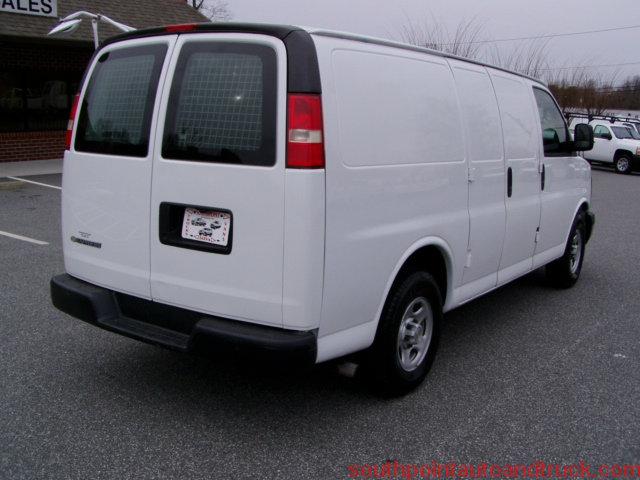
(72, 119)
(183, 27)
(305, 142)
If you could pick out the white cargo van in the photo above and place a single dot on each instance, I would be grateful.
(309, 194)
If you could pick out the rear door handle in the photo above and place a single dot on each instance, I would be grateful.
(542, 177)
(509, 182)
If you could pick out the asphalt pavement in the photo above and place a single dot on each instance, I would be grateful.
(525, 373)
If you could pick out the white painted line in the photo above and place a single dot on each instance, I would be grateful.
(24, 239)
(35, 183)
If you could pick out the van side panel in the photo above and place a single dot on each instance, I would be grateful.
(303, 248)
(395, 171)
(520, 146)
(487, 171)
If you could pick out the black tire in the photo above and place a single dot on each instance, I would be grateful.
(565, 271)
(383, 367)
(622, 164)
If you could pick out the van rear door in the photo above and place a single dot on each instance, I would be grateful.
(217, 197)
(107, 172)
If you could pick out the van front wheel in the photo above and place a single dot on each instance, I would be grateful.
(407, 336)
(564, 272)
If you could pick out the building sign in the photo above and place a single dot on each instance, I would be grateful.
(42, 8)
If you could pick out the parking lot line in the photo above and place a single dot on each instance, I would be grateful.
(24, 239)
(35, 183)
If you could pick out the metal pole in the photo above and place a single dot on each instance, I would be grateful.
(69, 24)
(94, 25)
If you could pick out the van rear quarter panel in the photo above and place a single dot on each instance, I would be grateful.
(396, 171)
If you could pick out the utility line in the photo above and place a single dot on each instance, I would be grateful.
(552, 35)
(577, 67)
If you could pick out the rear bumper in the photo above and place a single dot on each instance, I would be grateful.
(177, 328)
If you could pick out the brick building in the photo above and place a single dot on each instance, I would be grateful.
(39, 74)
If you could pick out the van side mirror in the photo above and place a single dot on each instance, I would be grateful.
(583, 137)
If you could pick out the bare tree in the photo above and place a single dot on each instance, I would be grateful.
(468, 40)
(529, 58)
(576, 88)
(627, 95)
(464, 42)
(580, 90)
(215, 10)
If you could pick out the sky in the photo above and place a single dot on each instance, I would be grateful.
(500, 19)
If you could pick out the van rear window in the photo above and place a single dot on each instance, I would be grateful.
(116, 111)
(222, 106)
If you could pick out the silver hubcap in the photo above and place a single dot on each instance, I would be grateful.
(414, 336)
(622, 164)
(575, 252)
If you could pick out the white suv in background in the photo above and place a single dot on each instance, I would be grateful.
(614, 143)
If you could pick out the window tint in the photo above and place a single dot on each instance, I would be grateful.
(601, 132)
(115, 116)
(622, 132)
(634, 132)
(222, 106)
(554, 128)
(38, 102)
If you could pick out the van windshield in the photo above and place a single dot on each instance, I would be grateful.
(115, 114)
(222, 105)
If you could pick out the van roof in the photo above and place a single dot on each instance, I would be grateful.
(407, 46)
(283, 31)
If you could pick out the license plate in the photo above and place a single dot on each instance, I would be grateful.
(207, 226)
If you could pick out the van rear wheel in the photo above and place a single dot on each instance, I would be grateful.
(565, 271)
(407, 336)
